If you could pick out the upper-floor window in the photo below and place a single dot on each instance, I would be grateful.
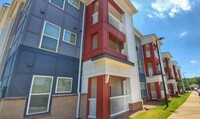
(58, 3)
(69, 37)
(75, 3)
(50, 37)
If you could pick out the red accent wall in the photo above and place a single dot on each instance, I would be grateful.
(151, 59)
(175, 73)
(149, 90)
(168, 68)
(103, 29)
(103, 98)
(158, 90)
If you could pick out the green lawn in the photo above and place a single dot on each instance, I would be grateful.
(161, 112)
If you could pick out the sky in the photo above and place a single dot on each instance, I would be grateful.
(179, 22)
(176, 20)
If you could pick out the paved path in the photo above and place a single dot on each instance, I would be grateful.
(190, 109)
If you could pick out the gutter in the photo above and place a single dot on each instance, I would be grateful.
(80, 68)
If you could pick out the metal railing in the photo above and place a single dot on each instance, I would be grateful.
(116, 23)
(119, 104)
(92, 112)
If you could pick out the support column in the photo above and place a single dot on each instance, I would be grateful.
(172, 88)
(149, 90)
(158, 91)
(103, 98)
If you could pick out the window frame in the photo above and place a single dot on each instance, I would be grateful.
(43, 34)
(63, 39)
(74, 5)
(58, 78)
(63, 8)
(49, 95)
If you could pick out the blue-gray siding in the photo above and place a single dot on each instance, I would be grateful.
(31, 61)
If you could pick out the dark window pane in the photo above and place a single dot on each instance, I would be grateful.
(49, 43)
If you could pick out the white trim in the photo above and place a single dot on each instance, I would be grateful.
(42, 35)
(121, 96)
(57, 5)
(33, 79)
(74, 5)
(68, 78)
(63, 39)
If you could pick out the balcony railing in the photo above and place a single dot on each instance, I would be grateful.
(119, 104)
(150, 72)
(116, 23)
(95, 18)
(92, 112)
(148, 54)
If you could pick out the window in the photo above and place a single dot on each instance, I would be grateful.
(58, 3)
(40, 94)
(95, 41)
(64, 85)
(50, 37)
(75, 3)
(69, 37)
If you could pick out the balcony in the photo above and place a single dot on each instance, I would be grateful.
(95, 18)
(112, 20)
(148, 54)
(119, 104)
(115, 22)
(156, 54)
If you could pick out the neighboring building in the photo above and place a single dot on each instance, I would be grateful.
(40, 77)
(176, 75)
(182, 87)
(152, 67)
(140, 62)
(171, 82)
(109, 77)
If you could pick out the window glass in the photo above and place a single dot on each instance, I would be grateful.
(50, 37)
(40, 95)
(51, 30)
(75, 3)
(69, 37)
(64, 85)
(58, 3)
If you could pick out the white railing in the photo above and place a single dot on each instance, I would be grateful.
(119, 104)
(156, 54)
(92, 111)
(95, 17)
(150, 72)
(154, 94)
(116, 23)
(148, 54)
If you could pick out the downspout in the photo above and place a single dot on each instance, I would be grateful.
(80, 68)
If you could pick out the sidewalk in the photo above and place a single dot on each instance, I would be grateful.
(190, 109)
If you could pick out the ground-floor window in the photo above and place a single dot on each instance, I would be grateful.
(64, 85)
(40, 94)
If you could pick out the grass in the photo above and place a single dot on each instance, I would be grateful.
(163, 112)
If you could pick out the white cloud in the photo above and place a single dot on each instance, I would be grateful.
(171, 7)
(193, 62)
(183, 34)
(149, 15)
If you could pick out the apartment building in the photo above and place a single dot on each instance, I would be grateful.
(140, 63)
(41, 73)
(171, 81)
(152, 67)
(110, 78)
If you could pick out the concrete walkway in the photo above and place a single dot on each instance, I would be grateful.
(190, 109)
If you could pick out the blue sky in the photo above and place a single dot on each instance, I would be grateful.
(179, 22)
(176, 20)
